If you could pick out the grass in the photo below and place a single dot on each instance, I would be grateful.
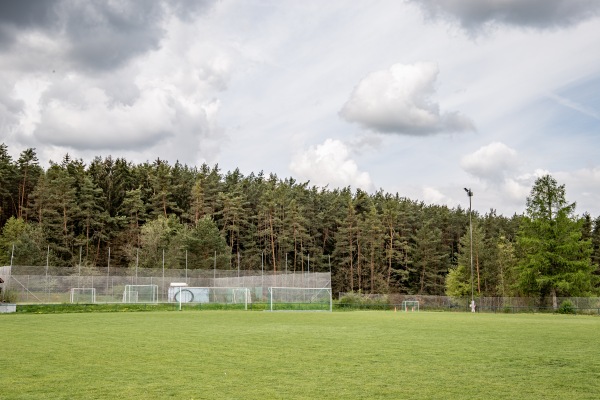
(262, 355)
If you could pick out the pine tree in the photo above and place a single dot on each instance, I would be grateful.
(345, 253)
(372, 243)
(8, 199)
(429, 266)
(28, 174)
(556, 260)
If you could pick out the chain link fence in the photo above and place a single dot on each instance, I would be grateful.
(34, 284)
(583, 305)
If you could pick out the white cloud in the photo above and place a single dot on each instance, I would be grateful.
(491, 162)
(163, 103)
(398, 100)
(247, 85)
(516, 190)
(582, 186)
(330, 164)
(95, 123)
(434, 196)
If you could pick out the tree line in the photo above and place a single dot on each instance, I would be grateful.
(72, 213)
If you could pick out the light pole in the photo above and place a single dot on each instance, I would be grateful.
(470, 194)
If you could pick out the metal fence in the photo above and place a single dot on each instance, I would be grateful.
(587, 305)
(32, 284)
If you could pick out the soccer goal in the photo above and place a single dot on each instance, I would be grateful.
(83, 295)
(299, 299)
(207, 295)
(410, 305)
(140, 294)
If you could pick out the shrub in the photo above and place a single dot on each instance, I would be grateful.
(359, 300)
(8, 296)
(566, 307)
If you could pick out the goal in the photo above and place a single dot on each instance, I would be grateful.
(140, 294)
(299, 299)
(410, 305)
(207, 295)
(83, 295)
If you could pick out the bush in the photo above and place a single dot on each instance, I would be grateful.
(567, 307)
(359, 300)
(8, 296)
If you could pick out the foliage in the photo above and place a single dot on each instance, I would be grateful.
(372, 243)
(12, 233)
(556, 260)
(360, 300)
(8, 296)
(458, 282)
(566, 307)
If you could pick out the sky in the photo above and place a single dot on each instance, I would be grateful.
(417, 97)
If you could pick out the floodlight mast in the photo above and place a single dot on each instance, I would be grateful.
(470, 194)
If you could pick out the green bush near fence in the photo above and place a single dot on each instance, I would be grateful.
(358, 301)
(8, 296)
(566, 307)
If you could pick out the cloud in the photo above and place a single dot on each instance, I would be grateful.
(582, 186)
(434, 196)
(330, 164)
(515, 189)
(398, 100)
(10, 108)
(574, 106)
(25, 14)
(98, 35)
(539, 14)
(94, 123)
(491, 162)
(157, 98)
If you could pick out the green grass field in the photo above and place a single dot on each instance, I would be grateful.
(262, 355)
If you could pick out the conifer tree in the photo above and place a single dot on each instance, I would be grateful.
(556, 261)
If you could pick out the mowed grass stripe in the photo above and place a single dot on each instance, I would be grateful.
(262, 355)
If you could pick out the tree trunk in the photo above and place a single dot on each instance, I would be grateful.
(372, 270)
(389, 272)
(358, 267)
(272, 242)
(554, 300)
(478, 280)
(351, 264)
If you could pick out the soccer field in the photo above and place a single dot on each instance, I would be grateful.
(262, 355)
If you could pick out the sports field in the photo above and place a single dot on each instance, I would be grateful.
(262, 355)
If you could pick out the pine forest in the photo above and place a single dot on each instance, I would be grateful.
(371, 243)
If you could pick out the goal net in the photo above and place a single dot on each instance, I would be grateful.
(140, 294)
(299, 299)
(83, 295)
(214, 295)
(410, 305)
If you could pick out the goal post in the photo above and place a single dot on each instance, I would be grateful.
(140, 294)
(83, 295)
(410, 305)
(210, 295)
(300, 299)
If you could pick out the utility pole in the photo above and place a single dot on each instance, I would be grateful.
(470, 194)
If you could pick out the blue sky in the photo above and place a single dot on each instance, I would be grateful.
(419, 97)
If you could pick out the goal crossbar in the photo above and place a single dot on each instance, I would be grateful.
(83, 295)
(410, 305)
(140, 294)
(300, 299)
(214, 295)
